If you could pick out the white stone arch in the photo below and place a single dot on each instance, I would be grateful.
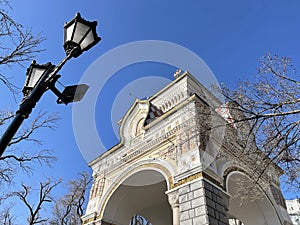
(224, 164)
(139, 127)
(123, 184)
(260, 210)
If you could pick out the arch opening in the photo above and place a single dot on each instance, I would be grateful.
(142, 193)
(248, 206)
(139, 220)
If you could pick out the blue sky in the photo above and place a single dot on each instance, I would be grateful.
(230, 36)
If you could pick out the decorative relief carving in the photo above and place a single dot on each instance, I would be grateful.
(188, 161)
(184, 137)
(139, 127)
(153, 143)
(136, 124)
(187, 179)
(188, 138)
(97, 188)
(168, 153)
(222, 156)
(194, 138)
(171, 97)
(173, 198)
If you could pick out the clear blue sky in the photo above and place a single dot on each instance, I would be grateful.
(230, 36)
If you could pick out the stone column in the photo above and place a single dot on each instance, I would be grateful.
(202, 203)
(173, 198)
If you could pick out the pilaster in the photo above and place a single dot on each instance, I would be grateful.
(173, 198)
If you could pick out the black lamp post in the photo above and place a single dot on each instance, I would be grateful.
(79, 36)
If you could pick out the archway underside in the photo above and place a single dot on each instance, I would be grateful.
(142, 193)
(247, 203)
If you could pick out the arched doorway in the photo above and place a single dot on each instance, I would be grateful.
(249, 206)
(142, 193)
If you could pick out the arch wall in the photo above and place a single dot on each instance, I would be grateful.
(130, 183)
(251, 204)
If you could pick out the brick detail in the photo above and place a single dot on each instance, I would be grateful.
(201, 203)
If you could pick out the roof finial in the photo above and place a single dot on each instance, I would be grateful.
(177, 73)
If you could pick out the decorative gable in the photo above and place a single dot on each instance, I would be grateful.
(133, 121)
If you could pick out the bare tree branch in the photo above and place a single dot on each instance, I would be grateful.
(5, 116)
(18, 45)
(14, 160)
(6, 217)
(10, 164)
(42, 120)
(44, 196)
(270, 106)
(69, 208)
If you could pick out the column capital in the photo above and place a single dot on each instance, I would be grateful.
(173, 198)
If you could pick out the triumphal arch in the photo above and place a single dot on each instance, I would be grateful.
(179, 161)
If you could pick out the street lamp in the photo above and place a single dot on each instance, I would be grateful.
(33, 75)
(79, 36)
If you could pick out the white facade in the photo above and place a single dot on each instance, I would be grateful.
(293, 208)
(171, 168)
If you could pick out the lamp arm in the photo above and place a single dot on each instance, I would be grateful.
(25, 108)
(58, 94)
(47, 80)
(61, 64)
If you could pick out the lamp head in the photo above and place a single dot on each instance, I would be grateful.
(79, 35)
(33, 75)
